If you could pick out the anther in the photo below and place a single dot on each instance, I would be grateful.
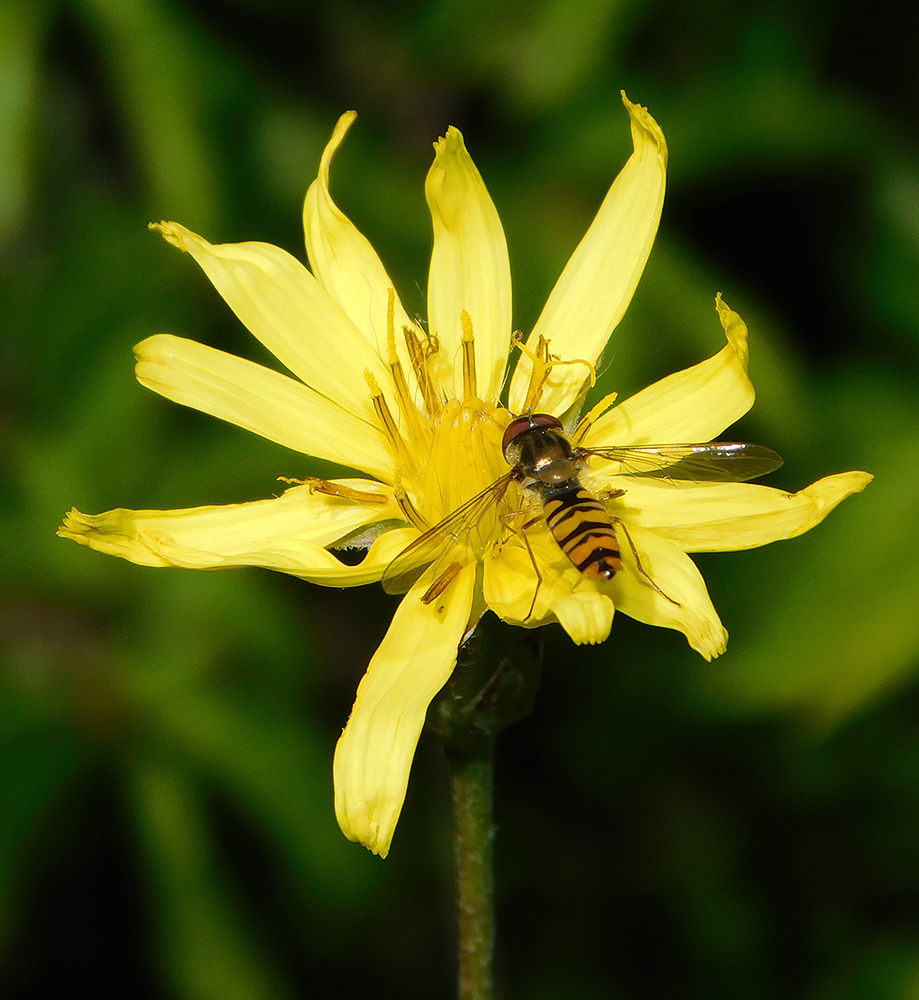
(403, 393)
(411, 512)
(470, 389)
(384, 413)
(336, 490)
(541, 367)
(543, 362)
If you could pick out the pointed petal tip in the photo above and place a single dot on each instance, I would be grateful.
(371, 837)
(73, 526)
(829, 492)
(342, 126)
(586, 615)
(711, 645)
(645, 128)
(451, 141)
(735, 330)
(176, 234)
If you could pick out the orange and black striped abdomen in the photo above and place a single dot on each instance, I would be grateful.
(583, 530)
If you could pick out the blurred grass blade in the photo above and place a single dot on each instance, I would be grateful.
(159, 66)
(22, 25)
(280, 776)
(208, 953)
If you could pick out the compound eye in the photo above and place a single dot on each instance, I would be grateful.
(517, 426)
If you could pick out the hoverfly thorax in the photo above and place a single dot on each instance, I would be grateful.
(539, 452)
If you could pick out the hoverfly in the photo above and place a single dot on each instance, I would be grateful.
(544, 462)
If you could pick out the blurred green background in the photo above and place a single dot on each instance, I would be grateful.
(668, 828)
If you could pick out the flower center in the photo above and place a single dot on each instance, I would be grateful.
(464, 459)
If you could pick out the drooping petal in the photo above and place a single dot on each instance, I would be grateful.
(586, 615)
(260, 400)
(696, 404)
(470, 269)
(287, 533)
(345, 263)
(731, 516)
(514, 592)
(597, 284)
(287, 309)
(374, 755)
(686, 606)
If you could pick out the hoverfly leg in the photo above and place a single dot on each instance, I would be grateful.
(526, 542)
(618, 521)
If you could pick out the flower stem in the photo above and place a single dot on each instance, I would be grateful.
(493, 686)
(472, 785)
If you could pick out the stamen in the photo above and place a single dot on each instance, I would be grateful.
(410, 511)
(470, 390)
(384, 413)
(441, 583)
(543, 362)
(541, 367)
(593, 414)
(403, 393)
(336, 490)
(419, 355)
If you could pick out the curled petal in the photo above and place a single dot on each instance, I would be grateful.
(696, 404)
(586, 615)
(730, 516)
(260, 400)
(514, 592)
(345, 263)
(686, 606)
(510, 584)
(470, 271)
(287, 309)
(597, 284)
(374, 755)
(288, 533)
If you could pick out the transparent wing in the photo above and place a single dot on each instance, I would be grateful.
(436, 542)
(718, 461)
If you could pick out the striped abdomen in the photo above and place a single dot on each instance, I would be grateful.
(583, 530)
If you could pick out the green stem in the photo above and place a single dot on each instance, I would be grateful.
(493, 686)
(472, 781)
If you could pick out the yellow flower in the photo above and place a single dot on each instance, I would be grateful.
(418, 411)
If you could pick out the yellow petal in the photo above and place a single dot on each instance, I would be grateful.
(597, 284)
(287, 309)
(287, 533)
(260, 400)
(516, 595)
(510, 584)
(374, 755)
(696, 404)
(731, 516)
(677, 576)
(470, 271)
(586, 615)
(345, 263)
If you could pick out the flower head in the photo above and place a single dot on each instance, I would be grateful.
(419, 411)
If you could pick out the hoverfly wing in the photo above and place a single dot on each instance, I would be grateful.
(717, 461)
(400, 575)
